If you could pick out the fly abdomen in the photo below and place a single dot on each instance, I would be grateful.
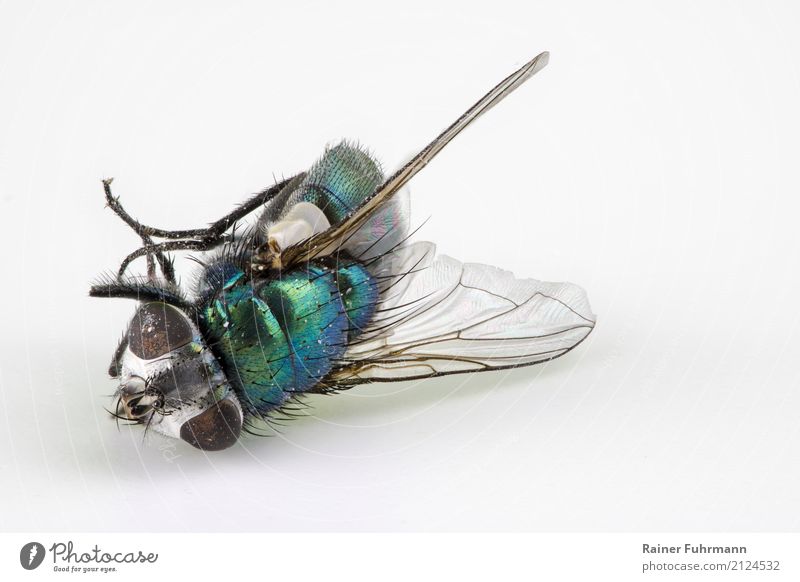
(337, 184)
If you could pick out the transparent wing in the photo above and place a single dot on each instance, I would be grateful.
(384, 230)
(333, 239)
(439, 316)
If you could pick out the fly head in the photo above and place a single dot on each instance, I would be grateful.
(170, 381)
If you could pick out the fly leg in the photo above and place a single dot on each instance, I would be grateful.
(197, 239)
(167, 267)
(158, 249)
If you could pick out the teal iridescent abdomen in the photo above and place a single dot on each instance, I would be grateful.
(283, 336)
(337, 184)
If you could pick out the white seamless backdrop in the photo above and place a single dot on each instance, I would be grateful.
(654, 162)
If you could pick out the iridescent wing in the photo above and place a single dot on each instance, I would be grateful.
(333, 239)
(435, 315)
(439, 316)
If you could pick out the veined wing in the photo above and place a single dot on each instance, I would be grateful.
(439, 316)
(330, 241)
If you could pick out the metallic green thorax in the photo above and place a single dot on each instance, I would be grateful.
(281, 335)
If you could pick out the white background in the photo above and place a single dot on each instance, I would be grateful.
(654, 162)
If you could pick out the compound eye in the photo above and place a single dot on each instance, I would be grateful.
(214, 429)
(157, 329)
